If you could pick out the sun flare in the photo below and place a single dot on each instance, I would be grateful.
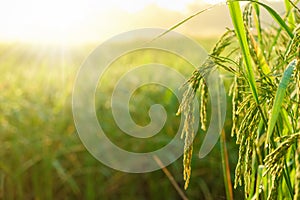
(69, 21)
(48, 21)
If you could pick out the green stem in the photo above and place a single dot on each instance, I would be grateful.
(253, 176)
(237, 20)
(258, 181)
(238, 23)
(258, 26)
(290, 14)
(226, 168)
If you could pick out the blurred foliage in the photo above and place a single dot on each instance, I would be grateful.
(41, 154)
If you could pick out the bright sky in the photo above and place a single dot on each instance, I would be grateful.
(67, 21)
(72, 20)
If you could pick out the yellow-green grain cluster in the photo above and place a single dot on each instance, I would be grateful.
(264, 63)
(203, 103)
(194, 83)
(187, 109)
(274, 160)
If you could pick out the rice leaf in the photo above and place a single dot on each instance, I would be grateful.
(183, 21)
(237, 20)
(279, 97)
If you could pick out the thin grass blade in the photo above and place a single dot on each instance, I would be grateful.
(183, 21)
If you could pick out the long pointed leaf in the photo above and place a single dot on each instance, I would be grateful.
(183, 21)
(237, 20)
(280, 93)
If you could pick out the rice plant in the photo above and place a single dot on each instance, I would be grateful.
(42, 158)
(264, 62)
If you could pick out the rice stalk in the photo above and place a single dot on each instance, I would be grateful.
(195, 82)
(273, 160)
(188, 132)
(259, 114)
(203, 103)
(226, 167)
(257, 23)
(275, 16)
(237, 20)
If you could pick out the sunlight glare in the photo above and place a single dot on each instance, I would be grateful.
(47, 21)
(68, 21)
(213, 2)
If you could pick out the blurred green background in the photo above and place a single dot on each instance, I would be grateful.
(41, 154)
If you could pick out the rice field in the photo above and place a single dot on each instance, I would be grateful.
(41, 154)
(256, 157)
